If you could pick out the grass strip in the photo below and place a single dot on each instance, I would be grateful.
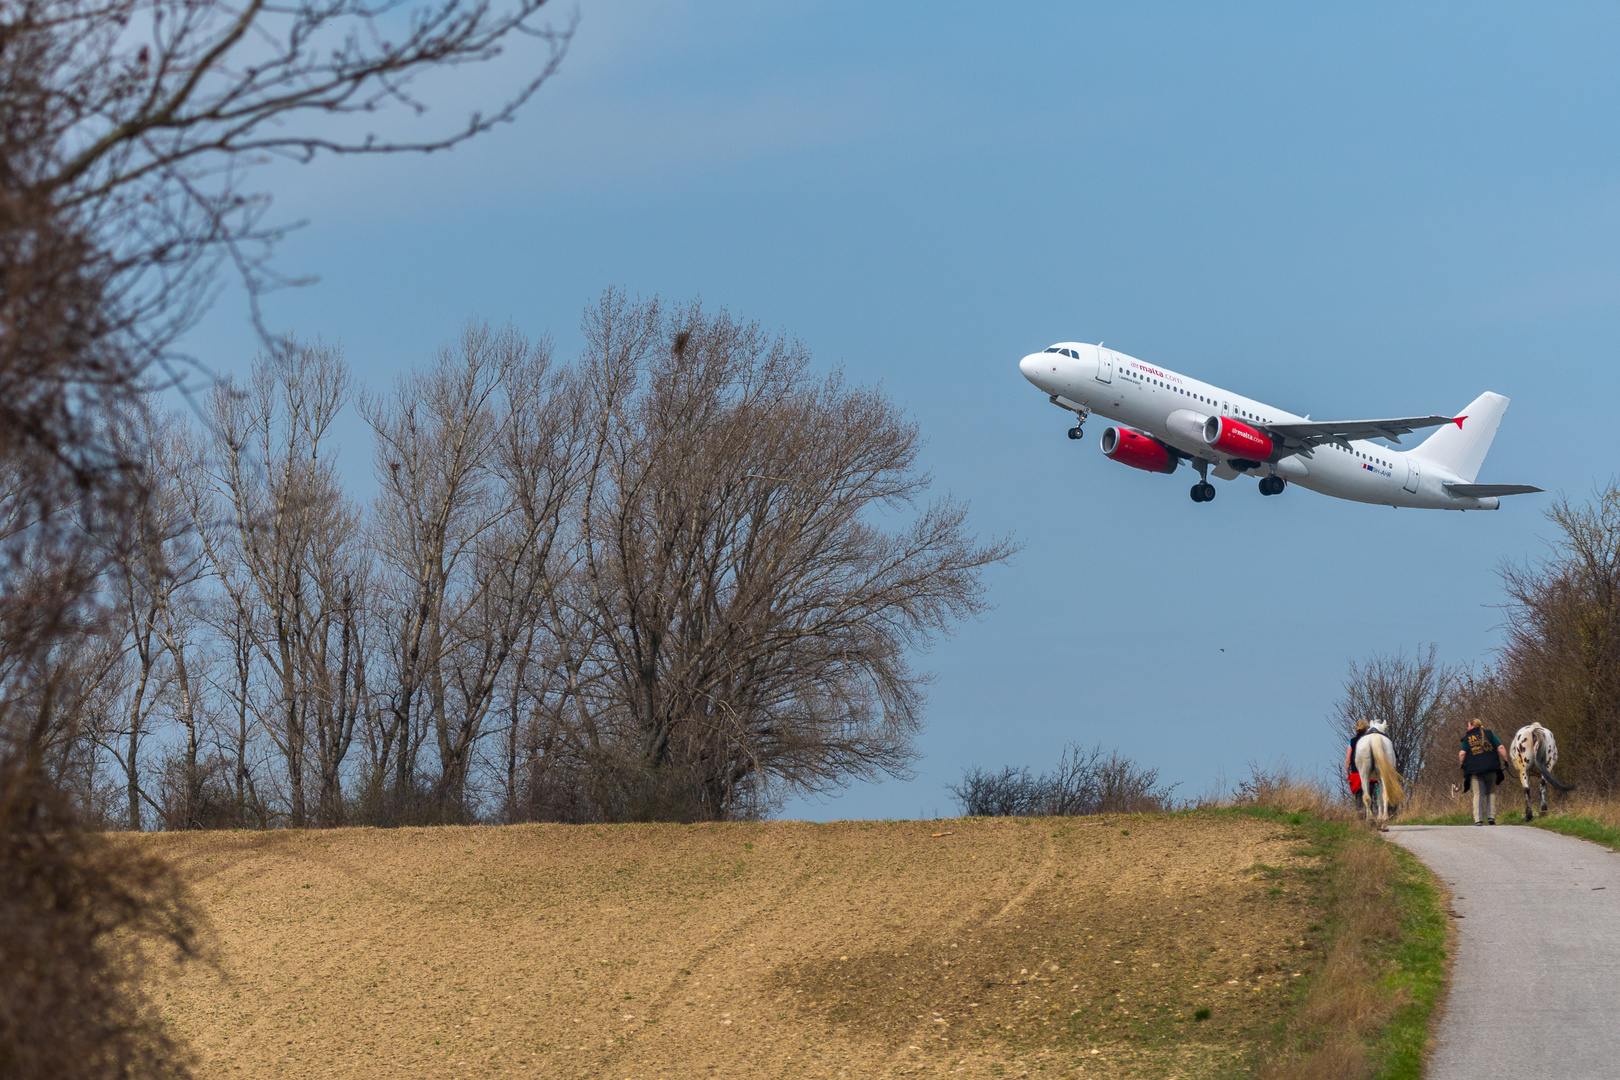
(1583, 828)
(1417, 972)
(1365, 1012)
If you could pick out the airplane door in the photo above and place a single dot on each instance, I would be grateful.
(1105, 366)
(1412, 474)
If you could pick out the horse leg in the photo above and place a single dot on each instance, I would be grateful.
(1543, 796)
(1524, 776)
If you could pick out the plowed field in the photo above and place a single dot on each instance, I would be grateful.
(1080, 946)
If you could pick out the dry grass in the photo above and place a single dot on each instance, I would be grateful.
(1432, 802)
(1290, 794)
(1605, 811)
(1283, 789)
(1429, 801)
(1347, 1003)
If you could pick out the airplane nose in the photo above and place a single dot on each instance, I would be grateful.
(1031, 366)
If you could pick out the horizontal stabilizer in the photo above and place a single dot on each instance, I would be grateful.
(1485, 491)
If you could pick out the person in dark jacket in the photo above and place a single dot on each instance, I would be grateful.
(1352, 777)
(1483, 759)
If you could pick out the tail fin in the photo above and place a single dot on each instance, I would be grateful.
(1460, 446)
(1387, 773)
(1546, 773)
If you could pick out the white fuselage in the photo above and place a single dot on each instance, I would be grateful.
(1173, 408)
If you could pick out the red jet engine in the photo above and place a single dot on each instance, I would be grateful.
(1137, 450)
(1236, 440)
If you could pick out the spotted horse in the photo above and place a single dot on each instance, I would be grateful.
(1534, 748)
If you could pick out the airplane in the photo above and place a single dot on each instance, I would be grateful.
(1163, 418)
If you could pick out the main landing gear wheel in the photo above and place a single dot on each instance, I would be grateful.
(1077, 432)
(1203, 492)
(1272, 485)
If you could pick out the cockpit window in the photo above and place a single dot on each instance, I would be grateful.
(1052, 349)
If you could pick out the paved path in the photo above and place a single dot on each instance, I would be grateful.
(1536, 986)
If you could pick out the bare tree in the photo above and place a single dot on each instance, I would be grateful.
(290, 563)
(125, 130)
(141, 678)
(1011, 792)
(235, 734)
(138, 118)
(678, 580)
(568, 762)
(541, 466)
(1103, 782)
(1560, 664)
(455, 554)
(1476, 691)
(154, 570)
(753, 613)
(1413, 698)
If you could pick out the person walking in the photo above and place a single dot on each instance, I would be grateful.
(1351, 775)
(1483, 759)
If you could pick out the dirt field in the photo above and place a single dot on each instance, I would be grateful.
(1065, 947)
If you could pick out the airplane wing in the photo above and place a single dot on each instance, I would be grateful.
(1299, 437)
(1481, 491)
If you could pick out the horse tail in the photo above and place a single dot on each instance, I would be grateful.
(1387, 773)
(1545, 770)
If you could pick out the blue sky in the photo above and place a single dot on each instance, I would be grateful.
(1364, 210)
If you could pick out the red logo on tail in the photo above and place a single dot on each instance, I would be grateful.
(1458, 421)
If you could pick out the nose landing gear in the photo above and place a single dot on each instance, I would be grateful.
(1078, 431)
(1272, 485)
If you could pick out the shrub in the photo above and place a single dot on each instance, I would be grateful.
(1084, 782)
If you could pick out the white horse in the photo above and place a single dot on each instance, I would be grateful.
(1375, 759)
(1534, 748)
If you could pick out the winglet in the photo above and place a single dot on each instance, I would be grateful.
(1458, 420)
